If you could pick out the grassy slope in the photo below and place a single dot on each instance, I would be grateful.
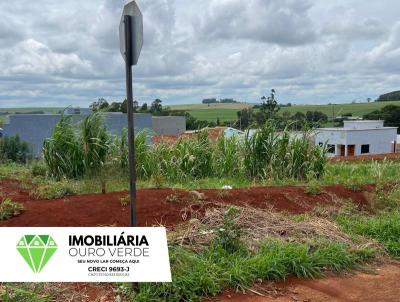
(227, 112)
(358, 109)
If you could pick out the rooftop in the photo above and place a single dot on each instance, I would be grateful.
(352, 129)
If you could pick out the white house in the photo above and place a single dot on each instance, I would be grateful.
(358, 138)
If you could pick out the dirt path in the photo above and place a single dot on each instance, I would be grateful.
(381, 285)
(155, 209)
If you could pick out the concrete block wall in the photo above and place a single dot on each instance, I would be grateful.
(35, 128)
(169, 125)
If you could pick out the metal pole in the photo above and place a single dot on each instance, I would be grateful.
(131, 129)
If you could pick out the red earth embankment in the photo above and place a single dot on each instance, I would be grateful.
(154, 208)
(390, 156)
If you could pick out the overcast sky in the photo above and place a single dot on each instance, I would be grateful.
(60, 53)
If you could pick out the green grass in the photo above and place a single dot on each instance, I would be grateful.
(357, 173)
(235, 106)
(383, 227)
(207, 273)
(225, 112)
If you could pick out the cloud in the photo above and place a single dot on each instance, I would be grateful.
(283, 22)
(63, 53)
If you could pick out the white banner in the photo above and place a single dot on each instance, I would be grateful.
(84, 255)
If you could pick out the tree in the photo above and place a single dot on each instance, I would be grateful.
(316, 118)
(391, 96)
(135, 106)
(269, 105)
(100, 105)
(156, 106)
(114, 107)
(209, 101)
(144, 107)
(245, 118)
(299, 120)
(390, 114)
(226, 101)
(124, 106)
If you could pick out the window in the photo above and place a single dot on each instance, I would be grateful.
(331, 148)
(364, 149)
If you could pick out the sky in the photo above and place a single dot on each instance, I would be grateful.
(62, 53)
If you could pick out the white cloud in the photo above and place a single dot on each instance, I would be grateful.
(62, 53)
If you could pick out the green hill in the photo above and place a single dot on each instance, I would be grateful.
(227, 112)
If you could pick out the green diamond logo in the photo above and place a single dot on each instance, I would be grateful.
(36, 250)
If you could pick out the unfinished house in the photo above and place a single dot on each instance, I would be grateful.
(358, 138)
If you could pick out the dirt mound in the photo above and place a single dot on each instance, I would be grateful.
(158, 206)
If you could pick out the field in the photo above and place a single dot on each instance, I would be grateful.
(228, 112)
(357, 109)
(223, 112)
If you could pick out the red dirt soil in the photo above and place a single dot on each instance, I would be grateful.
(390, 156)
(378, 285)
(154, 209)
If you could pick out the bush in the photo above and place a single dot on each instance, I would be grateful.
(9, 209)
(54, 190)
(14, 149)
(354, 183)
(38, 169)
(228, 236)
(313, 188)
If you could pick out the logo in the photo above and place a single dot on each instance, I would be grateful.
(37, 250)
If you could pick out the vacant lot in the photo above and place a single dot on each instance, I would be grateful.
(245, 234)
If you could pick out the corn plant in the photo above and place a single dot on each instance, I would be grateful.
(93, 140)
(226, 157)
(72, 152)
(62, 152)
